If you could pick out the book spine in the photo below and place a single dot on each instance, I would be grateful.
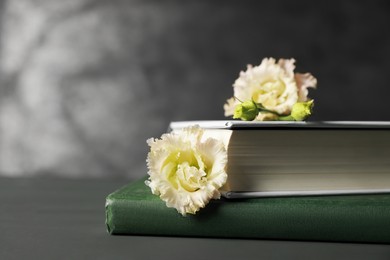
(282, 219)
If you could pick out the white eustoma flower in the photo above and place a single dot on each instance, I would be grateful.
(274, 85)
(185, 169)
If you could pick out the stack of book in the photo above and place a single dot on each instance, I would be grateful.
(319, 181)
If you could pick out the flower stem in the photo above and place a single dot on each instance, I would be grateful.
(236, 98)
(263, 109)
(286, 118)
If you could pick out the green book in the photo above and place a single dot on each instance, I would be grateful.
(133, 209)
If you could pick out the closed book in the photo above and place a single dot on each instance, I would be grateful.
(134, 210)
(301, 158)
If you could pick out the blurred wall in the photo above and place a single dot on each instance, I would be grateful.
(85, 82)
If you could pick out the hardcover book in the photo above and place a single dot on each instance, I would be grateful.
(350, 218)
(302, 158)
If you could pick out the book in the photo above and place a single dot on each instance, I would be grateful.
(302, 158)
(134, 210)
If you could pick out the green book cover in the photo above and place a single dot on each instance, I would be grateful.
(133, 209)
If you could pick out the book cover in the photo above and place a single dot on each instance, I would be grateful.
(133, 209)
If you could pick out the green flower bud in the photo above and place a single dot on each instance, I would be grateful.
(301, 110)
(246, 111)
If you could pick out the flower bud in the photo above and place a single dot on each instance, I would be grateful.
(246, 111)
(301, 110)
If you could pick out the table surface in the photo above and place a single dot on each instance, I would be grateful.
(50, 218)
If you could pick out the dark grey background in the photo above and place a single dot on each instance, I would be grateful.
(85, 83)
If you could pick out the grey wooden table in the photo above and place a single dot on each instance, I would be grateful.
(47, 218)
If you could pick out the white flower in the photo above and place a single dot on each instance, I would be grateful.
(274, 85)
(186, 170)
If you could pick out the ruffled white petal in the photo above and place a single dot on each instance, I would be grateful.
(229, 107)
(304, 81)
(288, 66)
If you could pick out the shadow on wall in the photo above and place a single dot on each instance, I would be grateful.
(85, 83)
